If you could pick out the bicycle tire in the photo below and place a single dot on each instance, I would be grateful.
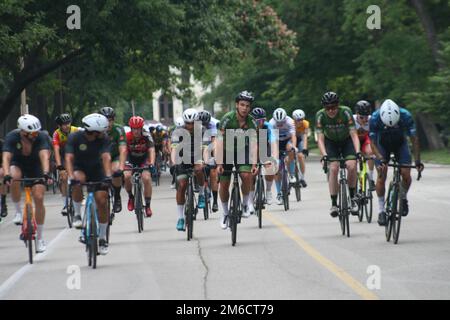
(284, 189)
(398, 217)
(342, 207)
(389, 213)
(70, 212)
(93, 238)
(234, 210)
(361, 187)
(138, 207)
(207, 204)
(298, 189)
(368, 201)
(108, 212)
(190, 212)
(29, 213)
(259, 199)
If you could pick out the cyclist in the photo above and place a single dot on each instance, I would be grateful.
(24, 149)
(302, 131)
(179, 123)
(118, 150)
(337, 137)
(389, 127)
(259, 114)
(210, 125)
(3, 189)
(362, 118)
(64, 122)
(238, 119)
(161, 140)
(287, 141)
(88, 159)
(141, 153)
(189, 116)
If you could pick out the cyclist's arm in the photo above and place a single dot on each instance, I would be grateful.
(106, 159)
(56, 148)
(69, 164)
(321, 144)
(151, 155)
(44, 156)
(6, 157)
(305, 139)
(416, 147)
(355, 139)
(122, 156)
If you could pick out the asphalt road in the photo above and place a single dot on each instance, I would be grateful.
(298, 254)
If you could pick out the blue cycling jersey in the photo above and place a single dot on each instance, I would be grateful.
(405, 126)
(270, 135)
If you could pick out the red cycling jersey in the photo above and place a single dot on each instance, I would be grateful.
(138, 148)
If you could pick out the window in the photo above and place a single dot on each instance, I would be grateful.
(165, 108)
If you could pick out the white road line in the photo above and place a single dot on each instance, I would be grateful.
(11, 281)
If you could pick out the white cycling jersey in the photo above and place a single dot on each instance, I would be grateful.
(212, 127)
(359, 127)
(285, 129)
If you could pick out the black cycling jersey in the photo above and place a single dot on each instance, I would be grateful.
(87, 154)
(13, 144)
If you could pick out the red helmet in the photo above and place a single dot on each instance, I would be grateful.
(136, 122)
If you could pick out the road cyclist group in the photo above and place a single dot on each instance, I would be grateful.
(104, 157)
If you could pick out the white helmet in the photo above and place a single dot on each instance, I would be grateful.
(298, 114)
(390, 113)
(95, 122)
(28, 123)
(279, 115)
(190, 115)
(179, 122)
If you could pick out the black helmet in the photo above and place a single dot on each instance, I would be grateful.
(205, 117)
(108, 112)
(363, 108)
(330, 98)
(63, 118)
(246, 96)
(258, 113)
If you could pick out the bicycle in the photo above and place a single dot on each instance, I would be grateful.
(69, 206)
(29, 225)
(394, 203)
(137, 191)
(260, 195)
(157, 174)
(364, 194)
(344, 202)
(91, 229)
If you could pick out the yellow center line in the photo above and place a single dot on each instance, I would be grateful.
(356, 286)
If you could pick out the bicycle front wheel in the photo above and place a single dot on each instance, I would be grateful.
(398, 218)
(391, 202)
(29, 232)
(368, 200)
(93, 238)
(234, 211)
(285, 189)
(190, 212)
(259, 200)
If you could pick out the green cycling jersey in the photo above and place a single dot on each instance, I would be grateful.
(337, 128)
(117, 138)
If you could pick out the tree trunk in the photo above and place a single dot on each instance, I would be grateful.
(428, 134)
(429, 29)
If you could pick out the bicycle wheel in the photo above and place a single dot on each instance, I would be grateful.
(390, 211)
(259, 200)
(190, 212)
(298, 189)
(342, 206)
(368, 197)
(29, 232)
(207, 204)
(398, 217)
(361, 187)
(93, 238)
(138, 207)
(234, 214)
(285, 189)
(70, 212)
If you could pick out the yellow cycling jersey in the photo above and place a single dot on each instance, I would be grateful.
(60, 138)
(301, 127)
